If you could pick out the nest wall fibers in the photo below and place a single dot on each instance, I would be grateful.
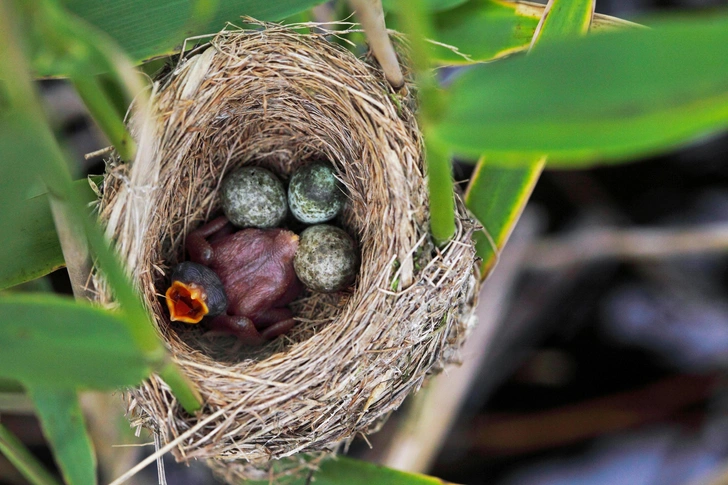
(278, 99)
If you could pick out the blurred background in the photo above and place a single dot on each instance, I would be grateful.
(602, 348)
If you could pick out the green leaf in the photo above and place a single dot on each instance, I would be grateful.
(53, 341)
(484, 30)
(146, 29)
(30, 247)
(430, 5)
(497, 196)
(27, 464)
(610, 96)
(63, 425)
(357, 472)
(342, 470)
(563, 18)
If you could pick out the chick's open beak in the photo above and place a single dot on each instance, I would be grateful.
(186, 302)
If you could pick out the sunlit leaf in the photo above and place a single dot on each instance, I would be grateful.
(63, 425)
(483, 30)
(616, 96)
(54, 341)
(563, 18)
(498, 194)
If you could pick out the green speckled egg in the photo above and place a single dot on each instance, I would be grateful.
(314, 194)
(326, 259)
(253, 197)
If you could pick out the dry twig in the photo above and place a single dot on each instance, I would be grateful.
(632, 244)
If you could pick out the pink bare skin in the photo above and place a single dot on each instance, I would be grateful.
(256, 270)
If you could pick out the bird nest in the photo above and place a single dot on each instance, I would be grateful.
(277, 98)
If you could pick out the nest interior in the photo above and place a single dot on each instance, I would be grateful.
(277, 98)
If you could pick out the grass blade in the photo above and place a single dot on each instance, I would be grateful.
(415, 19)
(64, 427)
(497, 196)
(440, 185)
(23, 460)
(105, 113)
(563, 18)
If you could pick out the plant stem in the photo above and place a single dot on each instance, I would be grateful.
(440, 184)
(416, 22)
(23, 460)
(75, 248)
(642, 244)
(185, 392)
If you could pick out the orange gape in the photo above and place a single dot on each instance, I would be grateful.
(239, 281)
(186, 302)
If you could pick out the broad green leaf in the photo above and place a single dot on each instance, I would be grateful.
(497, 196)
(342, 470)
(63, 425)
(18, 152)
(431, 5)
(30, 247)
(611, 96)
(563, 18)
(27, 464)
(147, 29)
(53, 341)
(483, 30)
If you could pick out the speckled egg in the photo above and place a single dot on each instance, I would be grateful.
(253, 197)
(314, 194)
(326, 260)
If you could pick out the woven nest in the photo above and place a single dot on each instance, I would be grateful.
(277, 98)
